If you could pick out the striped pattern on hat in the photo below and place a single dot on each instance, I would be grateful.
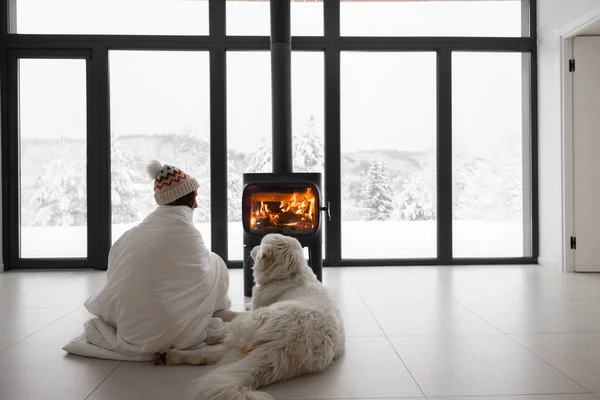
(170, 182)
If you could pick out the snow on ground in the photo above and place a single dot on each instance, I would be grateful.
(360, 239)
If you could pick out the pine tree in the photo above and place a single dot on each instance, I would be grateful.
(60, 198)
(415, 203)
(202, 213)
(123, 193)
(234, 192)
(261, 162)
(308, 154)
(377, 194)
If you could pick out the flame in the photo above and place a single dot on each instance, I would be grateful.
(277, 209)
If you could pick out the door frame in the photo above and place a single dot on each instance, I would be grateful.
(11, 148)
(567, 34)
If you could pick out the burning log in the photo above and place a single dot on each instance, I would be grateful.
(277, 209)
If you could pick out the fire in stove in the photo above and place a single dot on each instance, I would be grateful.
(277, 210)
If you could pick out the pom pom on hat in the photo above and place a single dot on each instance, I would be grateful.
(170, 183)
(154, 168)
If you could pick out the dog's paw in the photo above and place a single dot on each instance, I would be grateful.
(160, 358)
(213, 336)
(168, 357)
(248, 307)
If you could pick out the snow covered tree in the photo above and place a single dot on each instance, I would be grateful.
(202, 213)
(308, 149)
(308, 154)
(415, 203)
(123, 194)
(377, 195)
(234, 192)
(191, 153)
(60, 198)
(261, 161)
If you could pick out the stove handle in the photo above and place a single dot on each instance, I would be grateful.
(328, 211)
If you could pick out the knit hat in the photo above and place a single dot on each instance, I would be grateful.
(170, 183)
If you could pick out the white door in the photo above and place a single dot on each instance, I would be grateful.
(586, 153)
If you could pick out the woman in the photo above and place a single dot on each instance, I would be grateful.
(163, 285)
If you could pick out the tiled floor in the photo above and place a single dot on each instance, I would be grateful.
(476, 333)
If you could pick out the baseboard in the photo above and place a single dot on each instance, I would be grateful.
(550, 264)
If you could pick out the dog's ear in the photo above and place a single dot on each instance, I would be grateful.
(261, 253)
(264, 253)
(254, 252)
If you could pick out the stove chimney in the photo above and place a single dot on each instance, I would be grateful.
(281, 86)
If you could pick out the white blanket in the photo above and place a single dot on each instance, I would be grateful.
(163, 286)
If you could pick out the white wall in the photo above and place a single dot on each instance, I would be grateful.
(552, 16)
(1, 222)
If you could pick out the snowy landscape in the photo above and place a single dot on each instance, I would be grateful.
(388, 203)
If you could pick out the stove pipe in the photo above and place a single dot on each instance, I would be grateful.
(281, 86)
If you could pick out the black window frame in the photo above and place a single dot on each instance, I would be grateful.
(96, 48)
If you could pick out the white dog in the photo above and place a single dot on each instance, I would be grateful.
(294, 328)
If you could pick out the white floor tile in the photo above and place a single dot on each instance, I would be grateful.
(536, 316)
(526, 397)
(576, 355)
(61, 331)
(401, 291)
(14, 284)
(369, 369)
(441, 318)
(490, 283)
(68, 291)
(17, 324)
(392, 307)
(358, 320)
(483, 365)
(366, 274)
(22, 281)
(444, 315)
(44, 371)
(148, 382)
(353, 377)
(335, 274)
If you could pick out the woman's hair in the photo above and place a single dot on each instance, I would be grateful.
(187, 200)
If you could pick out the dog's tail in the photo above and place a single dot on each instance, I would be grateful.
(236, 381)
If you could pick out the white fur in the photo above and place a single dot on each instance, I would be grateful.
(154, 168)
(294, 328)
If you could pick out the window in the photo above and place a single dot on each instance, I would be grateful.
(253, 18)
(487, 164)
(308, 112)
(431, 18)
(374, 93)
(133, 17)
(388, 155)
(249, 124)
(160, 109)
(308, 117)
(248, 132)
(52, 136)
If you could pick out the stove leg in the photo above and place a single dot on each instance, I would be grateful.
(248, 278)
(315, 256)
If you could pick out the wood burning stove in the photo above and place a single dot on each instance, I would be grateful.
(286, 203)
(283, 201)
